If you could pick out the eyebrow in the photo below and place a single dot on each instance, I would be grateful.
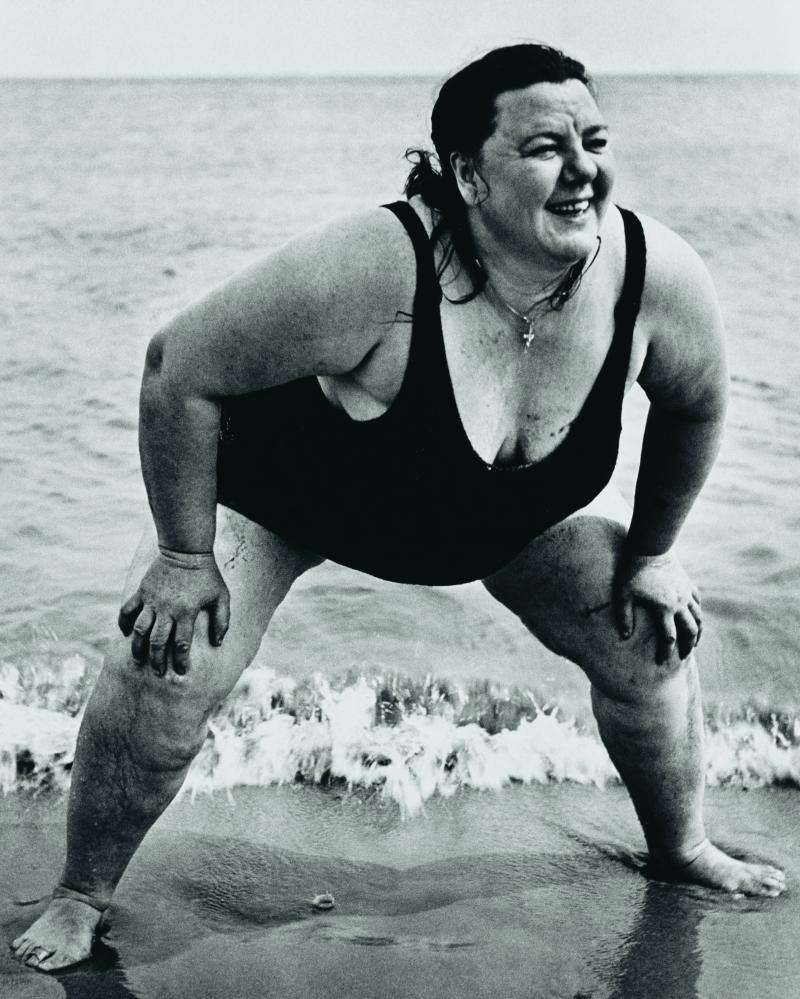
(555, 136)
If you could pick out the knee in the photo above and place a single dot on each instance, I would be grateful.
(626, 670)
(159, 723)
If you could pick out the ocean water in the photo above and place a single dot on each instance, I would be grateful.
(122, 201)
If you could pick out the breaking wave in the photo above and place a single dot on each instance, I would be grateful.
(397, 739)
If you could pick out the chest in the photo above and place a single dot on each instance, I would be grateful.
(517, 403)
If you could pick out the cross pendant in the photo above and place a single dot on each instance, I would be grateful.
(528, 336)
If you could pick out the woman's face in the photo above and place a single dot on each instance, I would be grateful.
(543, 179)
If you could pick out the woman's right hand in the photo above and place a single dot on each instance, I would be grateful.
(161, 614)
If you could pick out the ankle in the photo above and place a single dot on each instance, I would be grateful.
(683, 856)
(93, 901)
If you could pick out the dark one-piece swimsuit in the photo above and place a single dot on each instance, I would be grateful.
(404, 496)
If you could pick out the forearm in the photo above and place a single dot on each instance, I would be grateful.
(677, 455)
(178, 437)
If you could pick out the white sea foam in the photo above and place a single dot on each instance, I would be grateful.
(424, 752)
(400, 740)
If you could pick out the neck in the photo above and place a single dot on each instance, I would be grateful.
(520, 280)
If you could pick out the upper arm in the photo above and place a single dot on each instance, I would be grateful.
(685, 368)
(317, 305)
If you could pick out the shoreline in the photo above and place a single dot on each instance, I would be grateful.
(533, 891)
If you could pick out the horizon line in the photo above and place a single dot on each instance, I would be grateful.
(193, 77)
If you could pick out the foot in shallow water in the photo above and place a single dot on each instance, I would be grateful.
(713, 868)
(61, 936)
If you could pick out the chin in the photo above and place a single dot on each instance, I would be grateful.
(569, 247)
(567, 252)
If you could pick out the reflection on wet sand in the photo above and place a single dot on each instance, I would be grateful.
(661, 955)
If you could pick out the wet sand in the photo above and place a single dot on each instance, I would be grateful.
(535, 892)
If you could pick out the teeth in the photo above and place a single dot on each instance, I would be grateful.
(571, 207)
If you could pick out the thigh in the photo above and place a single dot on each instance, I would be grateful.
(560, 587)
(259, 568)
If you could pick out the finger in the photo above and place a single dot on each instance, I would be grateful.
(159, 639)
(220, 618)
(622, 603)
(686, 627)
(696, 594)
(667, 639)
(128, 613)
(141, 634)
(697, 614)
(182, 644)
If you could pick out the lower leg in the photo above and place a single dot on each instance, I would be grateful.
(655, 741)
(656, 744)
(124, 775)
(122, 781)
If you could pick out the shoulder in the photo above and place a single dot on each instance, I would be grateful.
(337, 287)
(319, 304)
(675, 277)
(367, 255)
(681, 321)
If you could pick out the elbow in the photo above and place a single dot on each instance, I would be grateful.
(156, 386)
(155, 356)
(168, 379)
(162, 376)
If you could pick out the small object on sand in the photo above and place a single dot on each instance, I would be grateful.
(323, 902)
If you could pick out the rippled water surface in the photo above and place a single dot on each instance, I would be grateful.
(122, 201)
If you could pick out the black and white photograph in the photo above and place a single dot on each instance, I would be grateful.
(399, 537)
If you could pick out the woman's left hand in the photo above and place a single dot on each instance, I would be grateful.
(659, 583)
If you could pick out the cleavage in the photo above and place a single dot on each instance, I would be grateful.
(516, 406)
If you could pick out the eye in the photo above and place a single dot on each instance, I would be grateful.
(597, 144)
(542, 151)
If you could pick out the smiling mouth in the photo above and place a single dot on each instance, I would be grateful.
(571, 209)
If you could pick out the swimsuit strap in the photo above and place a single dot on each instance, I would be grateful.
(609, 388)
(427, 282)
(426, 365)
(627, 308)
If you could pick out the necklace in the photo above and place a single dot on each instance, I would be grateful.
(565, 289)
(530, 334)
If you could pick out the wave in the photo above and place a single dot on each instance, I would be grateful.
(389, 737)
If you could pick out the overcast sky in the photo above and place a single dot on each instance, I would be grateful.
(265, 37)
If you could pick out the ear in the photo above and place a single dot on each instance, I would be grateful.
(470, 183)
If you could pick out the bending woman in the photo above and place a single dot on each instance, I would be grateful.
(430, 392)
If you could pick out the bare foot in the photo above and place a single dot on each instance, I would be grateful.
(714, 869)
(61, 936)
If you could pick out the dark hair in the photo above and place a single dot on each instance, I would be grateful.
(463, 118)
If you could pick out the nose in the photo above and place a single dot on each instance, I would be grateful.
(579, 166)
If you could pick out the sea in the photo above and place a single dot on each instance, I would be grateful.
(124, 200)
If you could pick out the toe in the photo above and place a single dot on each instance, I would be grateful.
(772, 875)
(53, 963)
(36, 957)
(24, 949)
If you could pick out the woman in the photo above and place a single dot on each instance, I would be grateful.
(432, 394)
